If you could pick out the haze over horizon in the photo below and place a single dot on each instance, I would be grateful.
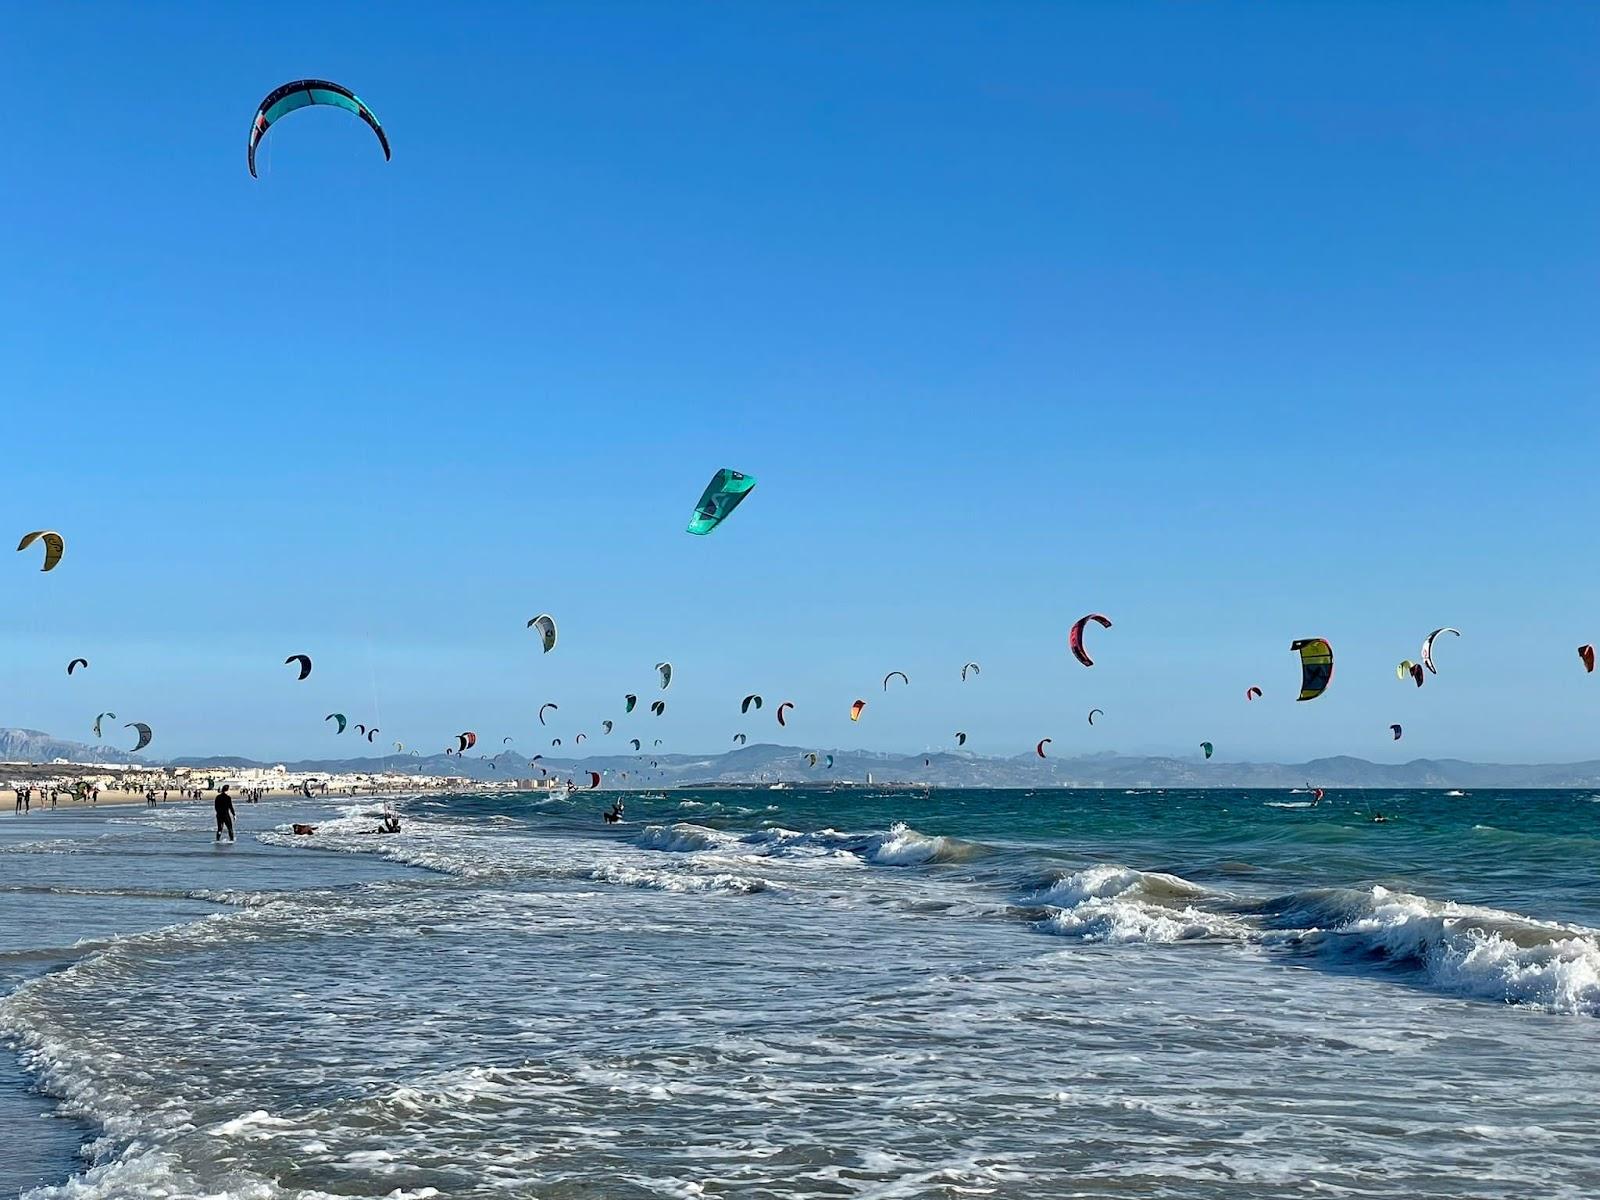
(1240, 326)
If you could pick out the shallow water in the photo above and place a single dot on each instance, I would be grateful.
(792, 993)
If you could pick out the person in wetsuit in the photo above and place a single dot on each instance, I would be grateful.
(225, 814)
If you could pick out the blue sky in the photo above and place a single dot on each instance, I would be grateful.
(1238, 323)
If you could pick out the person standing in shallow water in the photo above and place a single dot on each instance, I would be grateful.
(225, 814)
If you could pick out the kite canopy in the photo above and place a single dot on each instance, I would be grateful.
(594, 779)
(339, 717)
(628, 702)
(303, 659)
(468, 740)
(303, 93)
(973, 667)
(811, 758)
(1316, 666)
(722, 495)
(1039, 749)
(634, 742)
(1075, 637)
(664, 670)
(1586, 653)
(961, 738)
(549, 705)
(1207, 747)
(100, 718)
(1395, 729)
(782, 709)
(546, 625)
(752, 698)
(1427, 647)
(580, 739)
(659, 707)
(855, 710)
(1252, 693)
(372, 733)
(54, 546)
(904, 678)
(143, 731)
(76, 663)
(740, 739)
(1092, 712)
(608, 726)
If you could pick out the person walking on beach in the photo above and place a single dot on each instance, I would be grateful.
(224, 804)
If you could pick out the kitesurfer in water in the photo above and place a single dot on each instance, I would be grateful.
(614, 814)
(225, 814)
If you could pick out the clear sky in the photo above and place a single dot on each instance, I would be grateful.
(1236, 322)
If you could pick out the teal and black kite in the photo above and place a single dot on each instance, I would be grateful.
(303, 93)
(722, 495)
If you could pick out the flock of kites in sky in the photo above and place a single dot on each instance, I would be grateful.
(726, 490)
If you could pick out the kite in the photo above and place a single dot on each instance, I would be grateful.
(1039, 749)
(665, 671)
(891, 675)
(783, 708)
(973, 667)
(360, 728)
(740, 739)
(542, 707)
(722, 495)
(505, 741)
(144, 734)
(1586, 653)
(339, 717)
(468, 740)
(594, 779)
(76, 663)
(1092, 712)
(1427, 647)
(303, 659)
(608, 726)
(372, 733)
(961, 739)
(1207, 747)
(100, 718)
(1316, 666)
(1410, 670)
(1395, 729)
(54, 546)
(303, 93)
(628, 702)
(555, 741)
(752, 698)
(1075, 638)
(855, 710)
(580, 739)
(659, 707)
(634, 742)
(830, 762)
(546, 625)
(1252, 693)
(811, 759)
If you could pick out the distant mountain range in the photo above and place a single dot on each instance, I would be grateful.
(773, 764)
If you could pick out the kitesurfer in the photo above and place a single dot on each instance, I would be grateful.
(614, 813)
(225, 814)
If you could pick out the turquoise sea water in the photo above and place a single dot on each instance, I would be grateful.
(804, 993)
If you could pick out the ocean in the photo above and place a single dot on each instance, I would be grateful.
(799, 993)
